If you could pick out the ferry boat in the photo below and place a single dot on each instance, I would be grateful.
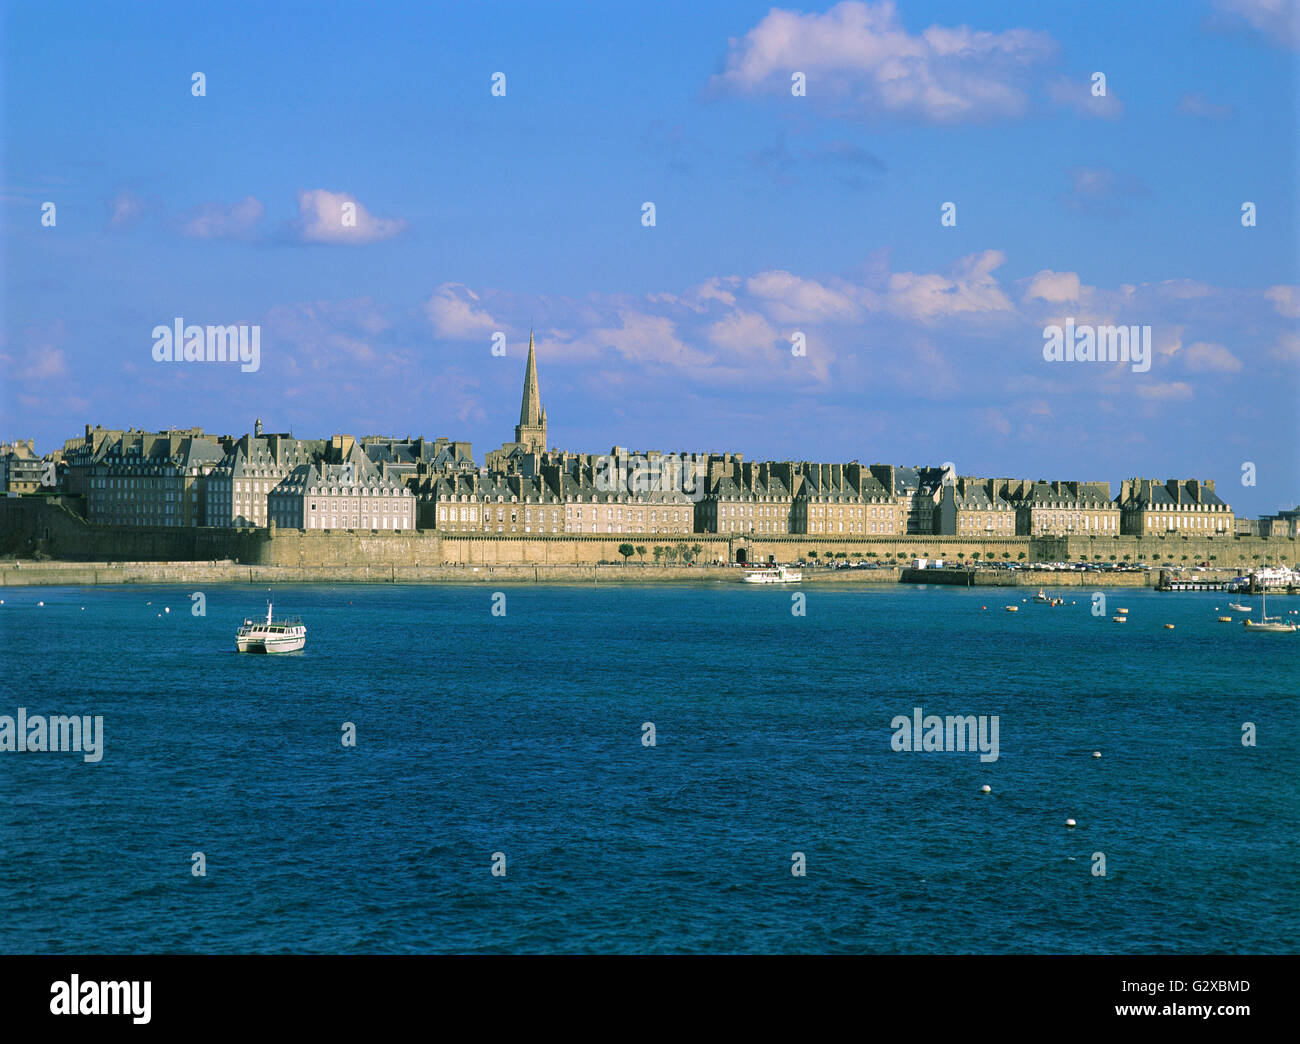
(1274, 626)
(270, 635)
(774, 575)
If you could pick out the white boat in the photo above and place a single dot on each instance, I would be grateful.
(1274, 626)
(1239, 607)
(1041, 596)
(774, 575)
(270, 635)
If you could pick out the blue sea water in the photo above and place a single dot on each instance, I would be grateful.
(522, 734)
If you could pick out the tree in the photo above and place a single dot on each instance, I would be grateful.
(975, 555)
(697, 550)
(813, 554)
(627, 551)
(640, 550)
(1021, 556)
(670, 552)
(659, 553)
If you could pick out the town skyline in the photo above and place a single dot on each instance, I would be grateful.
(847, 272)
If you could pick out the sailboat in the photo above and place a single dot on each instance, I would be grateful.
(1274, 626)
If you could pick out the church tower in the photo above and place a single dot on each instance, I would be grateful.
(531, 429)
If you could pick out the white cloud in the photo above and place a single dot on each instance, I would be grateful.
(455, 313)
(338, 217)
(1053, 287)
(744, 333)
(1286, 299)
(223, 221)
(792, 299)
(861, 55)
(125, 209)
(1173, 391)
(1207, 357)
(1198, 105)
(970, 289)
(1278, 21)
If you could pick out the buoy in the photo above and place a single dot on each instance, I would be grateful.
(1169, 627)
(985, 789)
(1225, 619)
(1069, 822)
(1122, 612)
(983, 606)
(40, 603)
(1119, 619)
(1096, 753)
(167, 610)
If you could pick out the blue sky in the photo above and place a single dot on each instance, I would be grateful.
(774, 214)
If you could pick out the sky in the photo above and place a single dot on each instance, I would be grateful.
(345, 178)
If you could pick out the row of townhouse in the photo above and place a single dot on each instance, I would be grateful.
(554, 501)
(143, 478)
(1189, 506)
(775, 497)
(969, 506)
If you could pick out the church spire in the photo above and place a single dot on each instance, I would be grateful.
(531, 431)
(530, 410)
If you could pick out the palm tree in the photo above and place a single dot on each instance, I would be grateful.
(640, 550)
(697, 550)
(659, 553)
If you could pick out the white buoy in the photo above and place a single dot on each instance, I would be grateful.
(1069, 822)
(40, 603)
(985, 789)
(1096, 753)
(167, 610)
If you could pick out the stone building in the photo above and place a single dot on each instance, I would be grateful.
(556, 501)
(21, 469)
(151, 479)
(1061, 508)
(1282, 524)
(237, 489)
(1185, 506)
(975, 507)
(353, 493)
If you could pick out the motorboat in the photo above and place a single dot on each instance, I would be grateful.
(271, 635)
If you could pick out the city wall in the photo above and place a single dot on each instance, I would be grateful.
(29, 526)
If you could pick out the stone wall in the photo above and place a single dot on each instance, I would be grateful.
(29, 525)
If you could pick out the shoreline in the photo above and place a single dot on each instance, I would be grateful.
(93, 574)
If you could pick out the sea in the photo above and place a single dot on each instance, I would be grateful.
(709, 768)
